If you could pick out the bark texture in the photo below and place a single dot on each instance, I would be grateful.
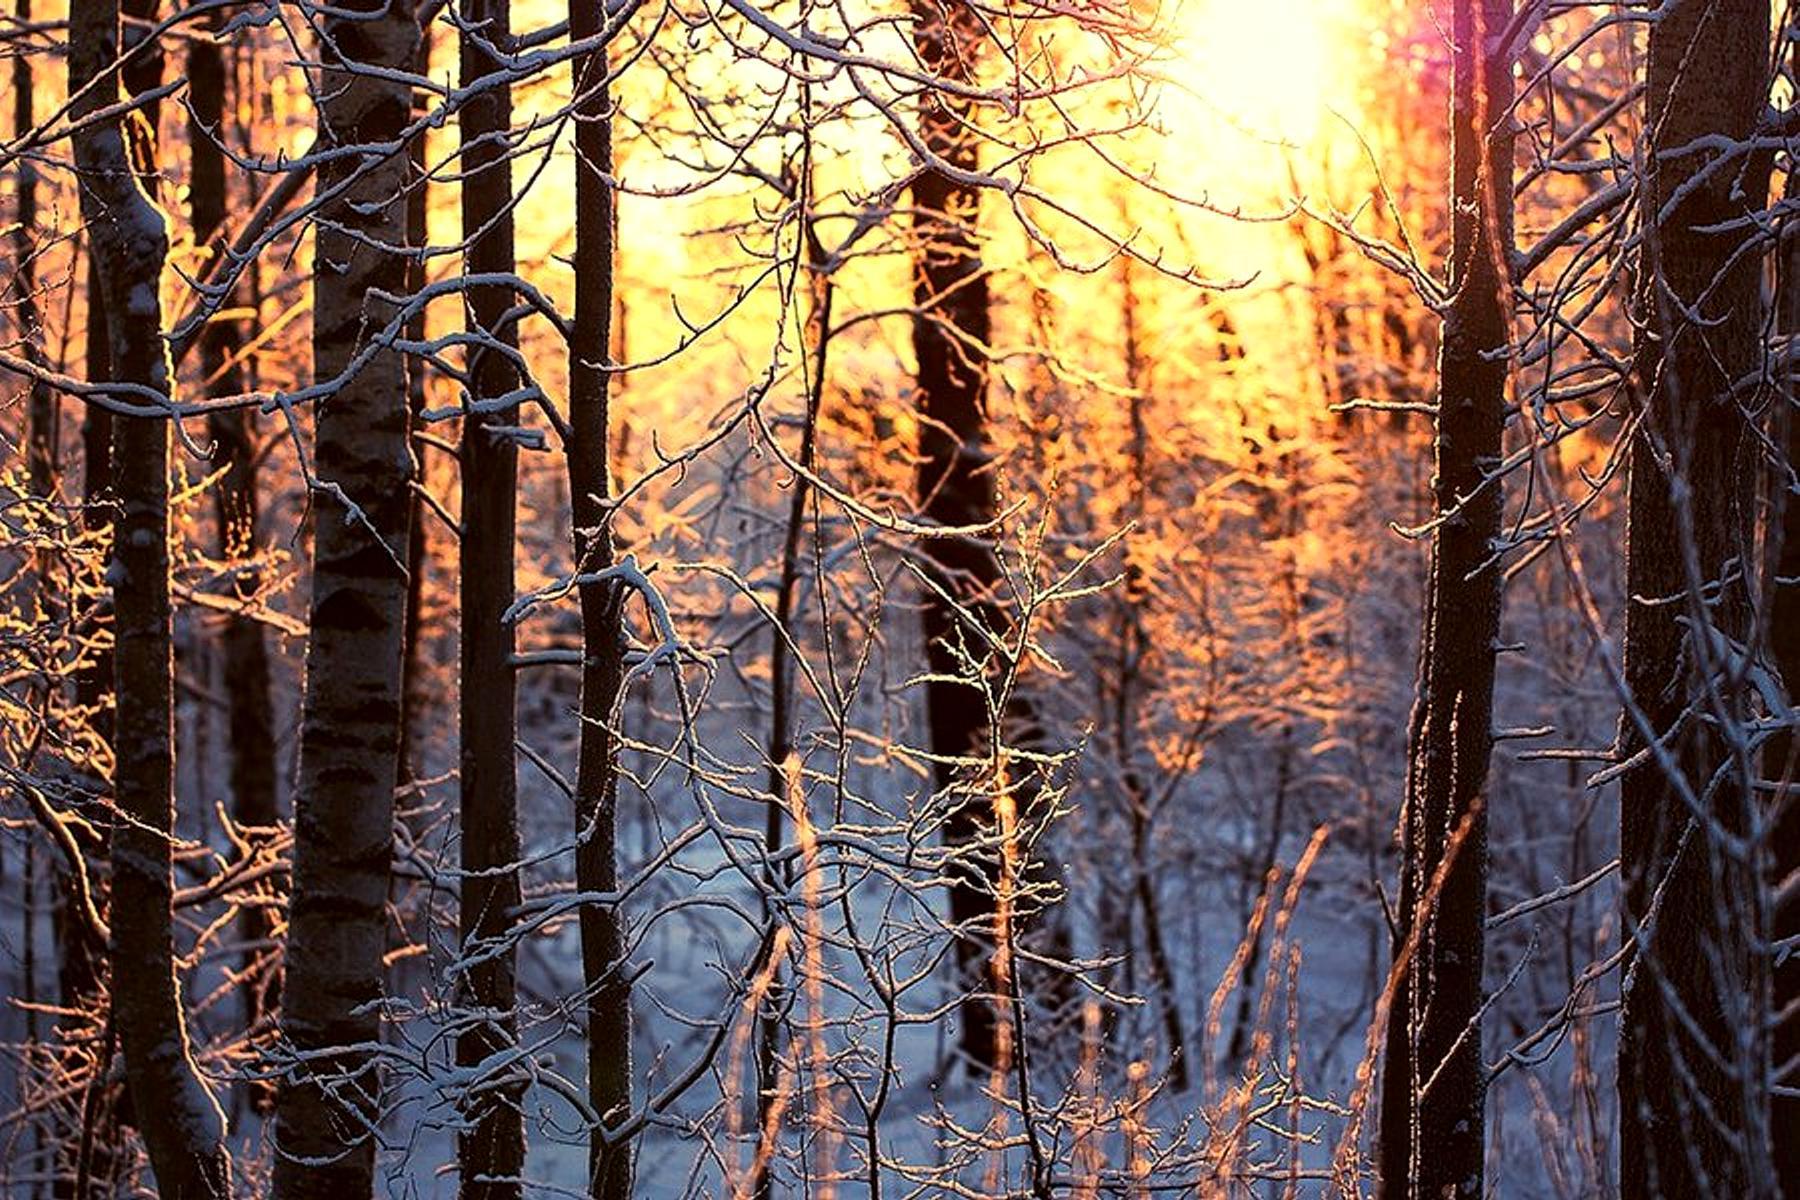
(1693, 1119)
(182, 1127)
(1781, 761)
(350, 721)
(610, 1165)
(1434, 1087)
(951, 333)
(492, 1152)
(415, 685)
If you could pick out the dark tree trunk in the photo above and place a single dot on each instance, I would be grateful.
(951, 333)
(1691, 1110)
(42, 411)
(328, 1103)
(1433, 1140)
(610, 1165)
(415, 697)
(783, 703)
(252, 717)
(492, 1152)
(1781, 760)
(81, 966)
(43, 435)
(93, 685)
(140, 73)
(182, 1127)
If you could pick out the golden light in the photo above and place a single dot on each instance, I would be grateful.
(1265, 67)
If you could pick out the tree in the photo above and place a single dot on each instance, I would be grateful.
(182, 1127)
(414, 681)
(951, 332)
(329, 1095)
(1433, 1119)
(1133, 655)
(1691, 1054)
(1781, 760)
(610, 1164)
(493, 1149)
(235, 505)
(42, 412)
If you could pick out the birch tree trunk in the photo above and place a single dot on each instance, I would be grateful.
(1433, 1137)
(492, 1152)
(329, 1101)
(182, 1127)
(1692, 1054)
(610, 1166)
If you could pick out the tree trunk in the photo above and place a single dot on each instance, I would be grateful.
(610, 1167)
(81, 966)
(1434, 1088)
(93, 684)
(1781, 760)
(492, 1151)
(81, 953)
(783, 702)
(1692, 1058)
(43, 426)
(415, 698)
(951, 333)
(142, 72)
(182, 1127)
(83, 961)
(328, 1102)
(1133, 657)
(252, 717)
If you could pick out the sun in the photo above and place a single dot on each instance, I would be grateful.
(1266, 67)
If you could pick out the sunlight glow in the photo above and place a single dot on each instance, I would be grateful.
(1264, 66)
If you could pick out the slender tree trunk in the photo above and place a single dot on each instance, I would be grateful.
(83, 959)
(1781, 760)
(139, 74)
(329, 1102)
(414, 692)
(1134, 652)
(492, 1153)
(93, 685)
(81, 951)
(1692, 1055)
(610, 1166)
(252, 717)
(1433, 1128)
(782, 701)
(83, 956)
(1243, 1028)
(42, 411)
(950, 339)
(182, 1127)
(83, 962)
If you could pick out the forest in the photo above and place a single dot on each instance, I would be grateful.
(894, 599)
